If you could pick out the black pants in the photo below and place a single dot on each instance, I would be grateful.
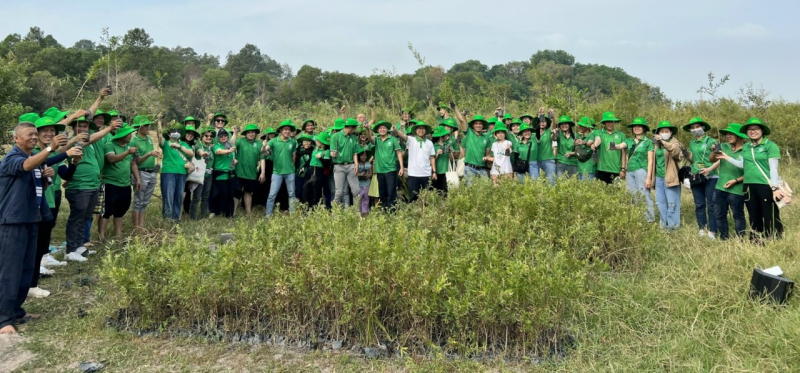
(723, 201)
(387, 189)
(606, 177)
(440, 183)
(765, 217)
(187, 199)
(17, 258)
(42, 246)
(81, 207)
(415, 185)
(313, 191)
(222, 195)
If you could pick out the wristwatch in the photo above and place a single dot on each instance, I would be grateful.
(49, 149)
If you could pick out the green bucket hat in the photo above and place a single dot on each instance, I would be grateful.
(173, 127)
(29, 118)
(666, 124)
(491, 120)
(479, 118)
(350, 122)
(525, 127)
(106, 117)
(526, 115)
(190, 128)
(440, 131)
(516, 121)
(500, 127)
(755, 122)
(187, 119)
(323, 138)
(55, 114)
(639, 121)
(225, 117)
(114, 113)
(309, 120)
(507, 116)
(141, 120)
(444, 106)
(207, 129)
(304, 137)
(734, 128)
(565, 119)
(286, 123)
(609, 117)
(338, 124)
(422, 124)
(251, 127)
(697, 120)
(450, 122)
(75, 122)
(586, 122)
(268, 131)
(124, 131)
(48, 122)
(381, 123)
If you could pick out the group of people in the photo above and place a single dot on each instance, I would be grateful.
(109, 165)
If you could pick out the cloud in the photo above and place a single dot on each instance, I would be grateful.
(554, 39)
(746, 31)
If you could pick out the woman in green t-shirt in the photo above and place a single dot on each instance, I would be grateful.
(173, 172)
(761, 182)
(203, 150)
(527, 149)
(546, 155)
(640, 165)
(192, 138)
(564, 138)
(222, 186)
(668, 185)
(730, 191)
(704, 175)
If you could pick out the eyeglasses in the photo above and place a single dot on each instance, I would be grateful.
(219, 120)
(209, 136)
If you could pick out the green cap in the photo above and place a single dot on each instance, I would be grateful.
(516, 122)
(114, 113)
(756, 122)
(525, 127)
(187, 119)
(251, 127)
(323, 138)
(225, 117)
(124, 131)
(418, 124)
(609, 117)
(697, 120)
(351, 122)
(55, 114)
(48, 122)
(526, 115)
(29, 118)
(287, 123)
(338, 124)
(666, 124)
(734, 128)
(75, 122)
(381, 123)
(304, 137)
(309, 120)
(190, 128)
(639, 121)
(586, 122)
(491, 120)
(106, 117)
(565, 119)
(440, 131)
(479, 118)
(450, 122)
(444, 106)
(499, 127)
(141, 120)
(207, 129)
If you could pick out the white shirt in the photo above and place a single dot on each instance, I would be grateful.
(419, 157)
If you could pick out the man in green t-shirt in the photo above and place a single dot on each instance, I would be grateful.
(345, 161)
(609, 159)
(248, 151)
(476, 147)
(145, 159)
(283, 150)
(117, 171)
(730, 191)
(388, 155)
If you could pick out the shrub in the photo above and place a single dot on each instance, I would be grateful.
(485, 268)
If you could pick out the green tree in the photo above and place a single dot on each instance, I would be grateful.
(12, 86)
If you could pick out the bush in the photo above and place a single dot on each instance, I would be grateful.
(488, 267)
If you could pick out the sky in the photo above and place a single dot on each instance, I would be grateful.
(669, 44)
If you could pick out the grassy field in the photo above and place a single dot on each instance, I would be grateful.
(683, 308)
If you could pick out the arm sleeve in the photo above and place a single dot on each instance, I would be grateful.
(738, 162)
(773, 171)
(69, 172)
(57, 159)
(12, 165)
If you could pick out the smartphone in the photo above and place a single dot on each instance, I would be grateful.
(500, 113)
(612, 146)
(110, 92)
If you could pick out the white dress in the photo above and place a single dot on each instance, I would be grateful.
(502, 162)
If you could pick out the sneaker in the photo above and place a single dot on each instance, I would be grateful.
(75, 257)
(44, 271)
(84, 251)
(88, 244)
(49, 261)
(702, 233)
(712, 236)
(38, 293)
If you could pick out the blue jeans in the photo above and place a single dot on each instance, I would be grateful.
(275, 186)
(668, 200)
(635, 181)
(548, 168)
(533, 172)
(722, 201)
(585, 176)
(471, 172)
(704, 204)
(172, 195)
(570, 170)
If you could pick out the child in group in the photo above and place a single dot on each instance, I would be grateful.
(445, 152)
(302, 167)
(364, 174)
(316, 181)
(500, 154)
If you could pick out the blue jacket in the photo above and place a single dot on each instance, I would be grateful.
(21, 192)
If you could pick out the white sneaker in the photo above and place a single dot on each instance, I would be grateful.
(75, 257)
(702, 233)
(38, 293)
(84, 251)
(49, 261)
(712, 236)
(46, 271)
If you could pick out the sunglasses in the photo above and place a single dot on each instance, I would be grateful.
(219, 120)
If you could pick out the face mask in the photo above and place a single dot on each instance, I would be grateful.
(698, 132)
(665, 136)
(175, 135)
